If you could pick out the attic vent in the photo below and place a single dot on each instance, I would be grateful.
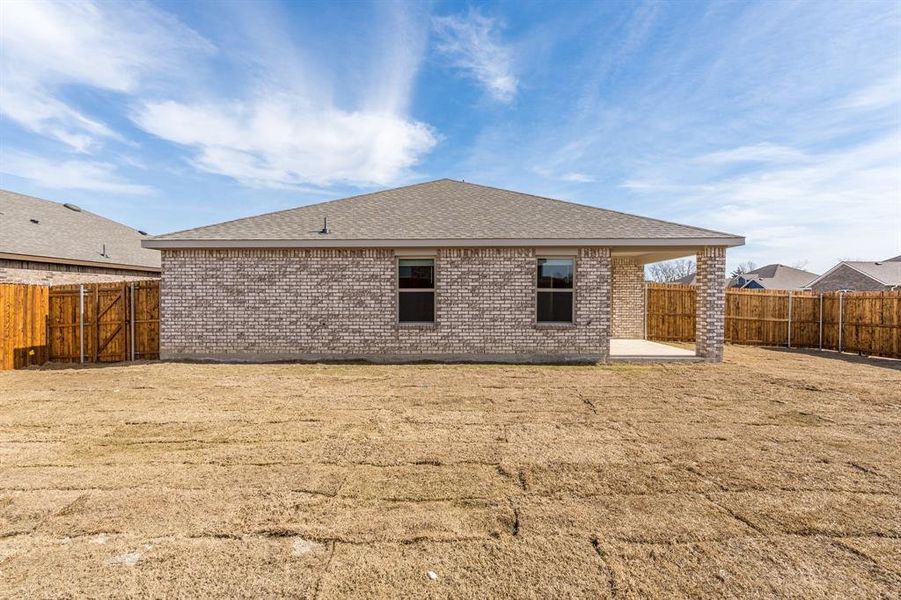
(72, 207)
(325, 228)
(35, 221)
(142, 232)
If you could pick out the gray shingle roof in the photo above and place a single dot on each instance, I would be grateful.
(446, 210)
(779, 277)
(885, 272)
(62, 233)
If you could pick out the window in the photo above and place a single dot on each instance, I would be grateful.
(555, 290)
(416, 290)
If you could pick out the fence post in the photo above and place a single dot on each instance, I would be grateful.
(96, 323)
(821, 320)
(81, 323)
(841, 315)
(789, 319)
(131, 306)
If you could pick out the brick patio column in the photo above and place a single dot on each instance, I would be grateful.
(593, 297)
(627, 309)
(606, 273)
(711, 303)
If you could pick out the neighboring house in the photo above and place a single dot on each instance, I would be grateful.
(690, 279)
(773, 277)
(860, 276)
(443, 270)
(43, 242)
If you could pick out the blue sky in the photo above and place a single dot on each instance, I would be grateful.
(780, 121)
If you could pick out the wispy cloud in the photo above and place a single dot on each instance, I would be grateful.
(49, 46)
(794, 210)
(472, 43)
(69, 174)
(756, 153)
(885, 93)
(577, 177)
(276, 142)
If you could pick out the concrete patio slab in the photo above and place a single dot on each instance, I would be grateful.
(636, 350)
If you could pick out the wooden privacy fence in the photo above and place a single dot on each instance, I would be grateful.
(23, 325)
(670, 312)
(103, 322)
(863, 322)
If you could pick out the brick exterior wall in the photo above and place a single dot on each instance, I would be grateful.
(627, 310)
(846, 278)
(711, 303)
(271, 304)
(38, 273)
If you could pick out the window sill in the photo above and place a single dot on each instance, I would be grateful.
(416, 325)
(554, 325)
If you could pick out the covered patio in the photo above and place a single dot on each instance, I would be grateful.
(628, 308)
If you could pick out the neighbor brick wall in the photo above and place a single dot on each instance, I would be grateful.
(846, 278)
(710, 314)
(627, 310)
(309, 303)
(38, 273)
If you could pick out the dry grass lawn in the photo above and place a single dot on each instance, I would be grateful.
(774, 474)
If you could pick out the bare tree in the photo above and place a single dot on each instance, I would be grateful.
(671, 270)
(743, 268)
(800, 264)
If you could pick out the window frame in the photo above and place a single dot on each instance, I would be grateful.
(399, 290)
(571, 290)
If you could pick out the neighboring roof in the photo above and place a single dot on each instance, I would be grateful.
(895, 259)
(776, 277)
(68, 235)
(444, 212)
(690, 279)
(887, 272)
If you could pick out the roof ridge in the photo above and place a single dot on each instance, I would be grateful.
(609, 210)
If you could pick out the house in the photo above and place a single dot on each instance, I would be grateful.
(444, 270)
(43, 242)
(690, 279)
(860, 276)
(773, 277)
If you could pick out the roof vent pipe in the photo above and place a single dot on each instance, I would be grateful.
(325, 228)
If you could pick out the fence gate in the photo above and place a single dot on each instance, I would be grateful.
(107, 322)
